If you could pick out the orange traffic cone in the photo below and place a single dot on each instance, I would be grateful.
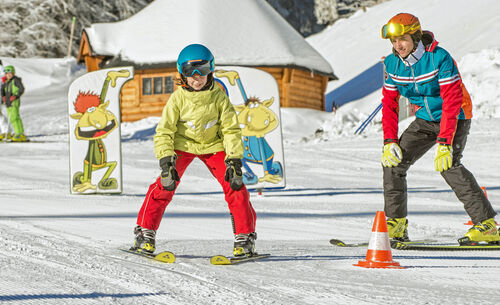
(379, 249)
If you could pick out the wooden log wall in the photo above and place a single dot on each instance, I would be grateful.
(299, 88)
(134, 105)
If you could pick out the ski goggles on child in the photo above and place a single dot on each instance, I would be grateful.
(396, 29)
(202, 67)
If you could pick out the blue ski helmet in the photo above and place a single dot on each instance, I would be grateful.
(195, 58)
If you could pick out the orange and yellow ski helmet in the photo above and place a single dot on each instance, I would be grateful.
(402, 23)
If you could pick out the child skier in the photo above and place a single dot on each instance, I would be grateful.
(428, 76)
(11, 92)
(198, 121)
(5, 129)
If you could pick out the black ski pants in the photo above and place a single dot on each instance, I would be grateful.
(415, 141)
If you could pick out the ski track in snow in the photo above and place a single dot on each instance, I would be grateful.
(68, 251)
(57, 248)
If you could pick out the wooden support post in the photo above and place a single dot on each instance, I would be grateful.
(71, 36)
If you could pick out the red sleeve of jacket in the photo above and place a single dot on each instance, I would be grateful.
(390, 113)
(452, 95)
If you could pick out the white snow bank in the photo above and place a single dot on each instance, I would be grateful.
(41, 76)
(354, 44)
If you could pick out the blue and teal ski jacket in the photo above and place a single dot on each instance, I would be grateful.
(429, 78)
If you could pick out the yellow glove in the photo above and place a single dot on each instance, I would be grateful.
(444, 157)
(392, 155)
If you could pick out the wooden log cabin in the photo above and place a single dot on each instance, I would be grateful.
(299, 85)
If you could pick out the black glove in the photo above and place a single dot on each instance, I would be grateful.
(234, 174)
(169, 174)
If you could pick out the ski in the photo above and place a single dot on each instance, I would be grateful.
(164, 257)
(224, 260)
(437, 247)
(339, 243)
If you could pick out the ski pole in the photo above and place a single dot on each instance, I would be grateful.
(368, 120)
(363, 123)
(372, 117)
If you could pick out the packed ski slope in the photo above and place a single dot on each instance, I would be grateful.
(57, 248)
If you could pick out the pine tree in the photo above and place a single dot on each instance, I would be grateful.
(325, 11)
(41, 28)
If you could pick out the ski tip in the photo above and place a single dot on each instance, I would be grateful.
(220, 260)
(165, 256)
(337, 242)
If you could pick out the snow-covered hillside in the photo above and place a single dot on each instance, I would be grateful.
(354, 44)
(57, 248)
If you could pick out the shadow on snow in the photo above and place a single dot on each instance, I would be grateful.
(93, 295)
(261, 215)
(314, 192)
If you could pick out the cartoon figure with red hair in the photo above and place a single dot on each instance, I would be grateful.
(95, 122)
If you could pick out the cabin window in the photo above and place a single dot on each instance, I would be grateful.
(147, 86)
(158, 85)
(169, 85)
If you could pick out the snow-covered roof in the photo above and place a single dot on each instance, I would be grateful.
(243, 32)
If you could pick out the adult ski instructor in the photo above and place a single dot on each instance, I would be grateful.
(427, 75)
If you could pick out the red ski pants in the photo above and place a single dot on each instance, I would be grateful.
(157, 198)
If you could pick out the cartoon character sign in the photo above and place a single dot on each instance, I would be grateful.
(95, 151)
(260, 124)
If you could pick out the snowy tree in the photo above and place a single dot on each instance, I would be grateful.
(325, 11)
(41, 28)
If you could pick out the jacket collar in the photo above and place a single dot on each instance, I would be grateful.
(201, 97)
(414, 57)
(429, 41)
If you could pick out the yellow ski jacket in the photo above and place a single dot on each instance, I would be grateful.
(198, 122)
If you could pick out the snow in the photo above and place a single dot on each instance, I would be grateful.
(157, 33)
(58, 248)
(461, 27)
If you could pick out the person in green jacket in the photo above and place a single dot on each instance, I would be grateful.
(11, 92)
(5, 126)
(198, 121)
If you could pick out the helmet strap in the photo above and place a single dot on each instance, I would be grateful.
(208, 85)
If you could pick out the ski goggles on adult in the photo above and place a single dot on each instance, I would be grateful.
(396, 29)
(202, 67)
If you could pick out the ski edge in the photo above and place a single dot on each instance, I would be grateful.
(340, 243)
(224, 260)
(430, 247)
(164, 256)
